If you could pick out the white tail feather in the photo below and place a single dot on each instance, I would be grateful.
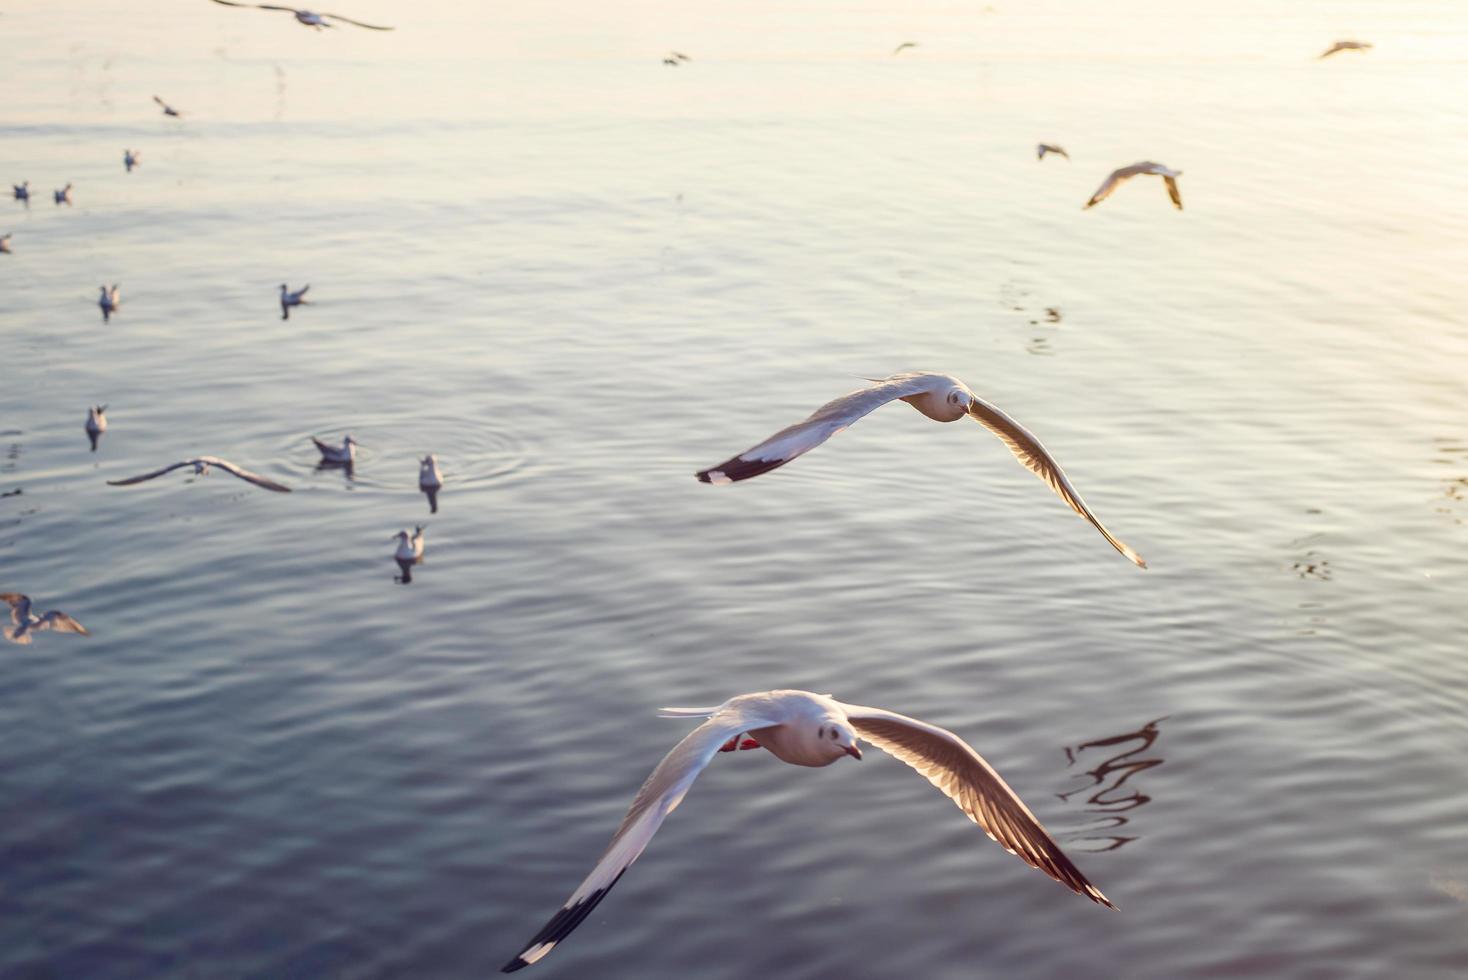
(686, 712)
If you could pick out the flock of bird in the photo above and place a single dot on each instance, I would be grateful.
(797, 727)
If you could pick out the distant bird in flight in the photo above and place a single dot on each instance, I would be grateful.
(5, 243)
(815, 730)
(201, 466)
(168, 110)
(343, 455)
(306, 17)
(674, 57)
(110, 301)
(24, 624)
(62, 196)
(942, 398)
(1045, 148)
(130, 159)
(289, 299)
(23, 191)
(96, 424)
(1118, 177)
(1345, 46)
(903, 47)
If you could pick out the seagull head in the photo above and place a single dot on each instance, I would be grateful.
(959, 398)
(838, 739)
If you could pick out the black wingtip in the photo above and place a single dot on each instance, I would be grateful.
(513, 965)
(736, 469)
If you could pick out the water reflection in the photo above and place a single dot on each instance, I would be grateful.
(1107, 797)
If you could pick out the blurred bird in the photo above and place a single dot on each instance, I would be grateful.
(168, 110)
(409, 553)
(903, 47)
(1119, 177)
(343, 455)
(109, 301)
(5, 243)
(289, 299)
(24, 624)
(1345, 46)
(201, 466)
(306, 17)
(63, 196)
(430, 480)
(96, 424)
(130, 159)
(22, 191)
(1045, 148)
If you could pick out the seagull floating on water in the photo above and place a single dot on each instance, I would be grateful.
(815, 730)
(63, 196)
(343, 455)
(24, 624)
(109, 301)
(306, 17)
(430, 480)
(1118, 177)
(1045, 148)
(23, 191)
(289, 299)
(201, 466)
(130, 159)
(1345, 46)
(942, 398)
(168, 110)
(409, 553)
(5, 243)
(96, 424)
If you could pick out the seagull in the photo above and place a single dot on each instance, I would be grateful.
(63, 196)
(289, 299)
(306, 17)
(202, 465)
(25, 624)
(168, 110)
(22, 191)
(806, 729)
(130, 159)
(5, 243)
(1045, 148)
(1169, 177)
(409, 553)
(430, 480)
(1345, 46)
(903, 47)
(942, 398)
(109, 301)
(343, 455)
(96, 424)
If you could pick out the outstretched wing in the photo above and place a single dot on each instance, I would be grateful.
(258, 6)
(658, 797)
(61, 623)
(1110, 184)
(148, 476)
(822, 424)
(246, 475)
(348, 20)
(1172, 191)
(1037, 459)
(964, 777)
(20, 607)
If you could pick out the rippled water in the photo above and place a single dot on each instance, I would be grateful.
(578, 276)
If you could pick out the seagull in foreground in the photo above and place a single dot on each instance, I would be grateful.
(430, 480)
(24, 624)
(109, 301)
(63, 196)
(289, 299)
(96, 423)
(168, 110)
(1169, 177)
(22, 191)
(1045, 148)
(903, 47)
(343, 455)
(409, 553)
(306, 17)
(5, 243)
(814, 730)
(201, 466)
(130, 159)
(942, 398)
(1345, 46)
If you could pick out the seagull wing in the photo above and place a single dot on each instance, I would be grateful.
(148, 476)
(258, 6)
(1338, 46)
(246, 475)
(823, 423)
(964, 777)
(358, 23)
(1107, 186)
(1172, 191)
(657, 798)
(20, 607)
(1037, 459)
(61, 623)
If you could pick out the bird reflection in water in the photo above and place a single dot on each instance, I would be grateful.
(1108, 798)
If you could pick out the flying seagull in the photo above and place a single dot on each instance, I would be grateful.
(408, 553)
(22, 191)
(63, 196)
(1345, 46)
(289, 299)
(96, 423)
(1111, 183)
(1045, 148)
(430, 481)
(109, 301)
(343, 455)
(815, 730)
(168, 110)
(903, 47)
(674, 57)
(306, 17)
(942, 398)
(130, 159)
(24, 623)
(201, 466)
